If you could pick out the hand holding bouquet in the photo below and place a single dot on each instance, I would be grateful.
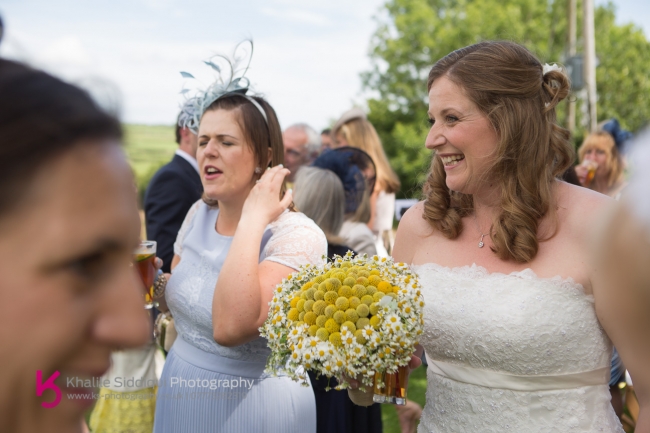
(354, 317)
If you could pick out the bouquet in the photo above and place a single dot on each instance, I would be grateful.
(353, 317)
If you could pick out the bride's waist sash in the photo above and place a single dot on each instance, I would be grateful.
(496, 379)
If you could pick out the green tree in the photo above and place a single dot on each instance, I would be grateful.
(416, 33)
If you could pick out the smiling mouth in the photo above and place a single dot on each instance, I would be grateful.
(451, 160)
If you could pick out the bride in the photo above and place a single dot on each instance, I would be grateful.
(516, 333)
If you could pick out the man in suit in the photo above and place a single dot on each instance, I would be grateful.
(172, 191)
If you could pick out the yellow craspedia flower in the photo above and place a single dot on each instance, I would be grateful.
(374, 308)
(331, 326)
(363, 310)
(359, 291)
(352, 315)
(310, 293)
(363, 281)
(308, 305)
(339, 317)
(294, 302)
(375, 322)
(301, 316)
(375, 271)
(392, 295)
(342, 303)
(331, 297)
(362, 323)
(319, 307)
(319, 279)
(310, 318)
(319, 295)
(345, 265)
(345, 291)
(384, 287)
(351, 327)
(354, 302)
(364, 273)
(303, 295)
(322, 334)
(306, 286)
(371, 290)
(349, 281)
(301, 305)
(300, 323)
(374, 279)
(335, 339)
(367, 299)
(330, 310)
(320, 321)
(358, 334)
(312, 330)
(396, 289)
(339, 276)
(377, 297)
(335, 283)
(293, 314)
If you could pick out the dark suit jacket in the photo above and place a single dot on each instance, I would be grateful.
(170, 194)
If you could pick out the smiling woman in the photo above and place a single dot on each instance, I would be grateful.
(68, 225)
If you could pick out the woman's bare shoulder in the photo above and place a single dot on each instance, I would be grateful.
(580, 209)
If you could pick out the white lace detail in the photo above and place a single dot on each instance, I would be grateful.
(518, 324)
(187, 223)
(296, 241)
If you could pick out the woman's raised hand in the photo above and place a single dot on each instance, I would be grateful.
(263, 202)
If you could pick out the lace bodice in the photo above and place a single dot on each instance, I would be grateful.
(514, 326)
(291, 240)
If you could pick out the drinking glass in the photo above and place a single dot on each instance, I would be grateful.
(144, 258)
(394, 386)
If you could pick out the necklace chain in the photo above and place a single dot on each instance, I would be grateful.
(480, 242)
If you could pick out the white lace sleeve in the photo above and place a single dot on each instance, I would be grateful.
(296, 241)
(187, 223)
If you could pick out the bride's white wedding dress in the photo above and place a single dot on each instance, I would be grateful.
(512, 353)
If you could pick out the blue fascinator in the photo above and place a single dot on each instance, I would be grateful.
(620, 135)
(231, 81)
(356, 170)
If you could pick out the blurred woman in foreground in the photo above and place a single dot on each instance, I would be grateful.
(68, 226)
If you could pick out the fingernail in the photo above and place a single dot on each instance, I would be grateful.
(290, 191)
(281, 165)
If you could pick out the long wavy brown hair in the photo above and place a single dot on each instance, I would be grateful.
(507, 83)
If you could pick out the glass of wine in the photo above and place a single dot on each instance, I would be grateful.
(144, 259)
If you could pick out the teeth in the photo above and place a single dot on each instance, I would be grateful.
(450, 159)
(211, 170)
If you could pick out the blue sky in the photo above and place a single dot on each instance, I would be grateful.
(307, 60)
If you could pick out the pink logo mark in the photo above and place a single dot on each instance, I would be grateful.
(49, 383)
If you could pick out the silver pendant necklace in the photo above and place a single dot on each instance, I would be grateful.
(480, 242)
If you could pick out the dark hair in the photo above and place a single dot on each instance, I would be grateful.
(507, 83)
(178, 133)
(326, 131)
(41, 117)
(259, 134)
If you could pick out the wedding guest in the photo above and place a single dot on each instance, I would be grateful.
(622, 253)
(600, 152)
(301, 147)
(498, 229)
(354, 129)
(234, 247)
(326, 139)
(320, 195)
(357, 172)
(68, 226)
(173, 190)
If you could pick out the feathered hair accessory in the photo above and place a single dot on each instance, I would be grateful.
(231, 80)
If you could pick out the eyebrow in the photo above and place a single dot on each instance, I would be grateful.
(102, 246)
(218, 136)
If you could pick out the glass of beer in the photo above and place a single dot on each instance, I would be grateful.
(591, 166)
(391, 387)
(144, 259)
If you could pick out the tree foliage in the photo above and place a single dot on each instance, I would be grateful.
(416, 33)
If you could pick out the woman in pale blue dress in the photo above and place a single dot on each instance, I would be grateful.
(234, 247)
